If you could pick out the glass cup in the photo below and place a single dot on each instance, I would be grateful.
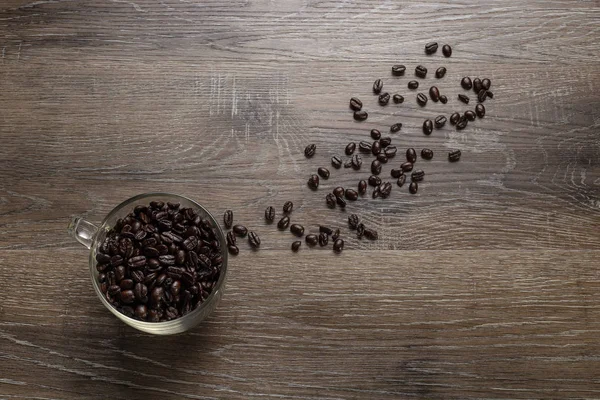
(92, 236)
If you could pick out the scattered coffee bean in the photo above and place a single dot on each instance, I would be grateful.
(360, 230)
(385, 141)
(390, 151)
(447, 50)
(374, 180)
(311, 240)
(466, 83)
(401, 180)
(326, 230)
(454, 156)
(231, 238)
(330, 200)
(454, 118)
(313, 182)
(351, 194)
(396, 127)
(254, 240)
(353, 221)
(482, 95)
(395, 173)
(440, 121)
(336, 235)
(426, 154)
(413, 85)
(480, 110)
(323, 239)
(443, 99)
(338, 246)
(411, 155)
(398, 99)
(310, 150)
(240, 230)
(470, 115)
(348, 163)
(350, 147)
(362, 186)
(340, 201)
(440, 72)
(463, 98)
(490, 94)
(376, 193)
(288, 206)
(413, 187)
(398, 70)
(323, 172)
(422, 99)
(228, 218)
(462, 123)
(338, 191)
(384, 99)
(296, 246)
(418, 175)
(297, 229)
(382, 158)
(431, 47)
(486, 83)
(477, 85)
(375, 134)
(356, 161)
(385, 190)
(371, 234)
(375, 167)
(270, 214)
(427, 127)
(283, 223)
(365, 147)
(434, 94)
(406, 166)
(361, 115)
(336, 162)
(421, 71)
(376, 148)
(377, 86)
(355, 104)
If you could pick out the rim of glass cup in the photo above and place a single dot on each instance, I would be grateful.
(165, 325)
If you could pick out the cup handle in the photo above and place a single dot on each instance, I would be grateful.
(83, 231)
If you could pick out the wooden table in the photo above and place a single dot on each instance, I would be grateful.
(484, 285)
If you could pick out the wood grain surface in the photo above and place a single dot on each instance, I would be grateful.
(484, 285)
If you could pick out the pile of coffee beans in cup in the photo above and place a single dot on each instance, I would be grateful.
(159, 262)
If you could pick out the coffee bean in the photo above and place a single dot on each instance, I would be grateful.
(395, 173)
(313, 182)
(398, 70)
(353, 221)
(254, 240)
(454, 156)
(377, 86)
(384, 99)
(297, 229)
(462, 123)
(340, 201)
(351, 194)
(490, 94)
(311, 240)
(396, 127)
(427, 127)
(348, 163)
(371, 234)
(411, 155)
(288, 206)
(413, 187)
(413, 85)
(310, 150)
(323, 172)
(480, 110)
(406, 166)
(470, 115)
(382, 158)
(421, 71)
(443, 99)
(398, 99)
(486, 83)
(233, 250)
(390, 151)
(426, 154)
(323, 239)
(338, 191)
(482, 95)
(326, 230)
(422, 99)
(356, 162)
(360, 230)
(338, 246)
(350, 147)
(126, 284)
(365, 147)
(362, 186)
(240, 230)
(385, 141)
(454, 118)
(477, 86)
(336, 162)
(283, 223)
(401, 180)
(231, 239)
(440, 72)
(374, 180)
(296, 246)
(417, 176)
(127, 296)
(440, 121)
(361, 115)
(227, 218)
(376, 148)
(431, 47)
(330, 200)
(335, 235)
(463, 98)
(466, 83)
(270, 214)
(190, 243)
(140, 292)
(375, 134)
(375, 167)
(355, 104)
(447, 50)
(434, 94)
(385, 190)
(136, 262)
(137, 275)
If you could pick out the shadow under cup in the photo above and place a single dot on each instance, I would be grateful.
(87, 234)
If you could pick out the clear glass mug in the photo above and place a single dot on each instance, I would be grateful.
(92, 236)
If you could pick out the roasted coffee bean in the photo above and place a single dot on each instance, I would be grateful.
(426, 154)
(350, 147)
(288, 206)
(137, 275)
(382, 158)
(466, 83)
(180, 257)
(335, 235)
(390, 151)
(310, 150)
(440, 121)
(421, 71)
(127, 296)
(422, 99)
(231, 238)
(297, 229)
(240, 230)
(167, 260)
(191, 242)
(374, 180)
(136, 262)
(463, 98)
(228, 218)
(233, 250)
(454, 118)
(296, 246)
(330, 200)
(141, 311)
(375, 167)
(413, 187)
(116, 260)
(376, 148)
(480, 110)
(489, 94)
(486, 83)
(166, 225)
(336, 162)
(323, 239)
(311, 240)
(443, 99)
(431, 47)
(377, 86)
(440, 72)
(361, 115)
(351, 194)
(338, 246)
(427, 127)
(413, 85)
(385, 190)
(283, 223)
(353, 221)
(140, 292)
(102, 258)
(356, 162)
(371, 234)
(376, 192)
(401, 180)
(398, 70)
(434, 94)
(406, 166)
(375, 134)
(362, 186)
(340, 201)
(365, 147)
(470, 115)
(396, 127)
(338, 191)
(313, 182)
(411, 155)
(462, 123)
(454, 155)
(113, 290)
(398, 99)
(254, 240)
(447, 50)
(477, 86)
(395, 173)
(385, 141)
(270, 214)
(326, 230)
(360, 230)
(482, 95)
(355, 104)
(418, 175)
(384, 99)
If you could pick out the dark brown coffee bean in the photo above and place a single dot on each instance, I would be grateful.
(427, 127)
(326, 230)
(374, 180)
(323, 239)
(270, 214)
(228, 218)
(443, 99)
(353, 221)
(102, 258)
(375, 134)
(411, 155)
(180, 257)
(390, 151)
(336, 162)
(340, 201)
(127, 296)
(462, 123)
(401, 180)
(422, 99)
(253, 240)
(421, 71)
(396, 127)
(426, 154)
(434, 94)
(167, 260)
(477, 86)
(296, 246)
(413, 187)
(454, 155)
(447, 50)
(348, 163)
(338, 246)
(371, 234)
(413, 85)
(175, 288)
(384, 99)
(375, 167)
(480, 110)
(385, 141)
(490, 94)
(365, 147)
(233, 250)
(470, 115)
(338, 191)
(482, 95)
(137, 275)
(431, 47)
(382, 158)
(310, 150)
(361, 115)
(398, 70)
(116, 260)
(376, 193)
(311, 240)
(360, 230)
(240, 230)
(418, 175)
(376, 148)
(140, 292)
(136, 262)
(466, 83)
(395, 173)
(330, 200)
(283, 223)
(440, 121)
(440, 72)
(398, 99)
(486, 84)
(351, 194)
(297, 229)
(141, 311)
(463, 98)
(385, 190)
(231, 239)
(288, 206)
(350, 147)
(355, 104)
(356, 162)
(362, 186)
(454, 118)
(191, 243)
(313, 182)
(377, 86)
(407, 166)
